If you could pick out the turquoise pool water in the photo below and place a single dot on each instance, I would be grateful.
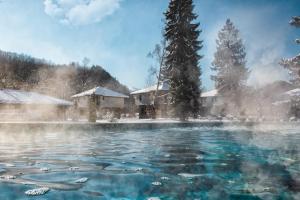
(231, 162)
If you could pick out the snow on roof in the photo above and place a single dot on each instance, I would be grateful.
(278, 103)
(101, 91)
(211, 93)
(293, 93)
(162, 87)
(8, 96)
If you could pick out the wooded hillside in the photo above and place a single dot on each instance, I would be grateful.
(19, 71)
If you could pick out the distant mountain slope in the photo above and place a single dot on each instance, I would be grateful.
(19, 71)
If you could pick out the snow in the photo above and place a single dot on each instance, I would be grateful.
(211, 93)
(101, 91)
(9, 96)
(162, 87)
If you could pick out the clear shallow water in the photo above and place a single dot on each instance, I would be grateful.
(237, 162)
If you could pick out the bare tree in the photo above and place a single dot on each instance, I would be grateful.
(158, 71)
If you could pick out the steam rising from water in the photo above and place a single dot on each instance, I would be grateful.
(199, 162)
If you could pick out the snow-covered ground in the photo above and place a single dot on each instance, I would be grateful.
(127, 120)
(143, 121)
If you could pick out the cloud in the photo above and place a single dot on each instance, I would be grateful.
(80, 12)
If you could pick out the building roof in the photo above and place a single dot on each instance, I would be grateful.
(211, 93)
(279, 103)
(162, 87)
(101, 91)
(293, 93)
(8, 96)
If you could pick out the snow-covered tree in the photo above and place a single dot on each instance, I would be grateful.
(182, 58)
(293, 64)
(230, 65)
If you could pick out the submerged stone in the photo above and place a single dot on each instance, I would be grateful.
(45, 169)
(92, 193)
(8, 177)
(82, 180)
(187, 175)
(38, 191)
(165, 178)
(153, 198)
(139, 169)
(10, 165)
(74, 168)
(156, 183)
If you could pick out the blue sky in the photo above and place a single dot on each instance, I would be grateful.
(118, 34)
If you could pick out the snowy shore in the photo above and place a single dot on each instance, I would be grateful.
(129, 124)
(152, 121)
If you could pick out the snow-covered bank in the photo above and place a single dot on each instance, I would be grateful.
(131, 124)
(155, 121)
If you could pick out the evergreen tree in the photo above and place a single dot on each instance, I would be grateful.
(293, 64)
(230, 65)
(182, 58)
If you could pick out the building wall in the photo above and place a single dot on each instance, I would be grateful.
(110, 102)
(147, 98)
(144, 104)
(23, 112)
(82, 102)
(101, 102)
(144, 98)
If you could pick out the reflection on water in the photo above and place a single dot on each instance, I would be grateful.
(173, 163)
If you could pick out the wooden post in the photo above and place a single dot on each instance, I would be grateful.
(92, 108)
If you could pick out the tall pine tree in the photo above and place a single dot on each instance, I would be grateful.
(182, 58)
(230, 66)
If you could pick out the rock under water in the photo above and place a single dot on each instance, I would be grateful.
(82, 180)
(38, 191)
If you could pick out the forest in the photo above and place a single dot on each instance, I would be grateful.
(20, 71)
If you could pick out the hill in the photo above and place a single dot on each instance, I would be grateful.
(19, 71)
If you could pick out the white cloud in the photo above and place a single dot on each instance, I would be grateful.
(80, 12)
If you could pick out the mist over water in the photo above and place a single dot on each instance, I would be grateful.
(231, 162)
